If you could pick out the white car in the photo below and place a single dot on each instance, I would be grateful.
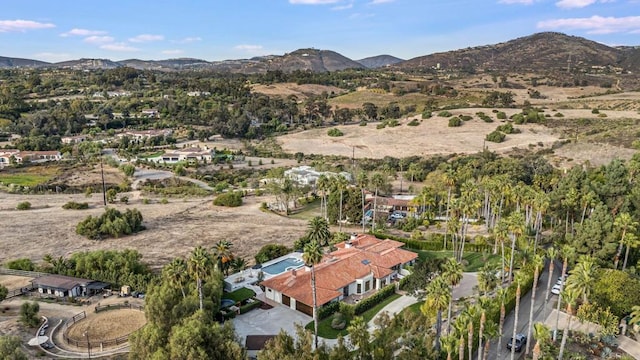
(556, 289)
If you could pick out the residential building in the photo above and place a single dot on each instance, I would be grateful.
(359, 267)
(74, 139)
(191, 154)
(145, 134)
(306, 175)
(27, 156)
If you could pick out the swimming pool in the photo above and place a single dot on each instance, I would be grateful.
(283, 265)
(225, 303)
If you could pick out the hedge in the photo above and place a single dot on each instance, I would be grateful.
(435, 242)
(250, 306)
(328, 310)
(375, 299)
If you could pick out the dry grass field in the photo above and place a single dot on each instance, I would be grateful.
(107, 325)
(14, 282)
(300, 91)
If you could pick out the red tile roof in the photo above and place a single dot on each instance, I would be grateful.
(365, 255)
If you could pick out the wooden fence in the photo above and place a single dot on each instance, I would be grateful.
(88, 342)
(33, 274)
(100, 308)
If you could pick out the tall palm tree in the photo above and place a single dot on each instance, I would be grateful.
(341, 183)
(538, 263)
(312, 256)
(377, 181)
(198, 265)
(552, 254)
(624, 223)
(461, 348)
(223, 255)
(483, 320)
(471, 204)
(490, 332)
(516, 229)
(635, 315)
(448, 178)
(438, 298)
(238, 264)
(582, 277)
(449, 343)
(567, 252)
(515, 320)
(318, 231)
(322, 184)
(470, 339)
(501, 233)
(501, 294)
(362, 180)
(631, 241)
(176, 273)
(452, 274)
(487, 279)
(569, 296)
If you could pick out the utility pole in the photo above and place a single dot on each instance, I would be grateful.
(104, 187)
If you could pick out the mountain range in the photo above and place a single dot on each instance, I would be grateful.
(541, 52)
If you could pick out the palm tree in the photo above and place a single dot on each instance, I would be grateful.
(501, 294)
(582, 277)
(222, 254)
(238, 264)
(323, 185)
(542, 335)
(470, 339)
(631, 241)
(490, 332)
(635, 315)
(538, 263)
(438, 298)
(198, 265)
(516, 229)
(625, 223)
(318, 231)
(569, 296)
(312, 256)
(567, 252)
(362, 179)
(449, 345)
(341, 184)
(452, 274)
(377, 181)
(552, 254)
(500, 232)
(483, 320)
(515, 321)
(487, 279)
(448, 178)
(461, 348)
(176, 273)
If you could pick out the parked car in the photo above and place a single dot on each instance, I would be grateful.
(555, 290)
(520, 341)
(42, 332)
(397, 215)
(47, 345)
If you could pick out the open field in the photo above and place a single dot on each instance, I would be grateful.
(107, 325)
(14, 282)
(173, 229)
(300, 91)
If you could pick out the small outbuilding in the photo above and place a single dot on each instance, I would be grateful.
(67, 286)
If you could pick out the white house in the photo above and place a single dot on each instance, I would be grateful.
(306, 175)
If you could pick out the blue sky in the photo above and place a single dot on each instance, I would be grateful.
(232, 29)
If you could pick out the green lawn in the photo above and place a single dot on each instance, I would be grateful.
(239, 295)
(310, 211)
(326, 331)
(24, 179)
(475, 260)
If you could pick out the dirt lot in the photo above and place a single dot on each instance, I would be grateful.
(299, 91)
(14, 282)
(173, 229)
(108, 325)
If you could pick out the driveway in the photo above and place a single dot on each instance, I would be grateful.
(269, 322)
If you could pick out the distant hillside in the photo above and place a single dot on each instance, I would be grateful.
(88, 64)
(539, 52)
(169, 64)
(313, 60)
(379, 61)
(7, 62)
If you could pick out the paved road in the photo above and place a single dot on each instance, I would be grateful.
(523, 316)
(142, 174)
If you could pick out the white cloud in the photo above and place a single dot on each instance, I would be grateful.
(172, 52)
(572, 4)
(313, 2)
(23, 25)
(188, 40)
(118, 47)
(99, 39)
(361, 15)
(146, 38)
(245, 47)
(342, 7)
(83, 32)
(376, 2)
(595, 24)
(52, 57)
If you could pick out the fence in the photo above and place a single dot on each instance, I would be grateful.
(96, 343)
(100, 308)
(33, 274)
(19, 292)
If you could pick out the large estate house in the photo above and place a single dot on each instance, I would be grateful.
(306, 175)
(9, 156)
(360, 266)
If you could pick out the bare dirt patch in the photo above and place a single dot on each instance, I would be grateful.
(107, 325)
(300, 91)
(14, 282)
(173, 229)
(595, 154)
(432, 136)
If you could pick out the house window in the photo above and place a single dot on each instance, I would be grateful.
(359, 289)
(345, 291)
(367, 286)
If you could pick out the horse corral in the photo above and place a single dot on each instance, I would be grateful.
(105, 329)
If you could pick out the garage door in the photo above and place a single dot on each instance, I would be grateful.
(304, 308)
(286, 300)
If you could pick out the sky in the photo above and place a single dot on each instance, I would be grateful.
(237, 29)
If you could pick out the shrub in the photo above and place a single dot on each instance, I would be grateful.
(335, 132)
(558, 115)
(72, 205)
(445, 114)
(128, 169)
(124, 199)
(250, 306)
(29, 314)
(362, 123)
(21, 264)
(507, 129)
(426, 114)
(374, 299)
(501, 115)
(111, 223)
(413, 122)
(595, 111)
(230, 199)
(328, 310)
(270, 252)
(164, 201)
(338, 322)
(455, 122)
(25, 205)
(495, 136)
(465, 117)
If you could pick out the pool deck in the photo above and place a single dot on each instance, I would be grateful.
(250, 276)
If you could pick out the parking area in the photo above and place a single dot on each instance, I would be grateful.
(269, 322)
